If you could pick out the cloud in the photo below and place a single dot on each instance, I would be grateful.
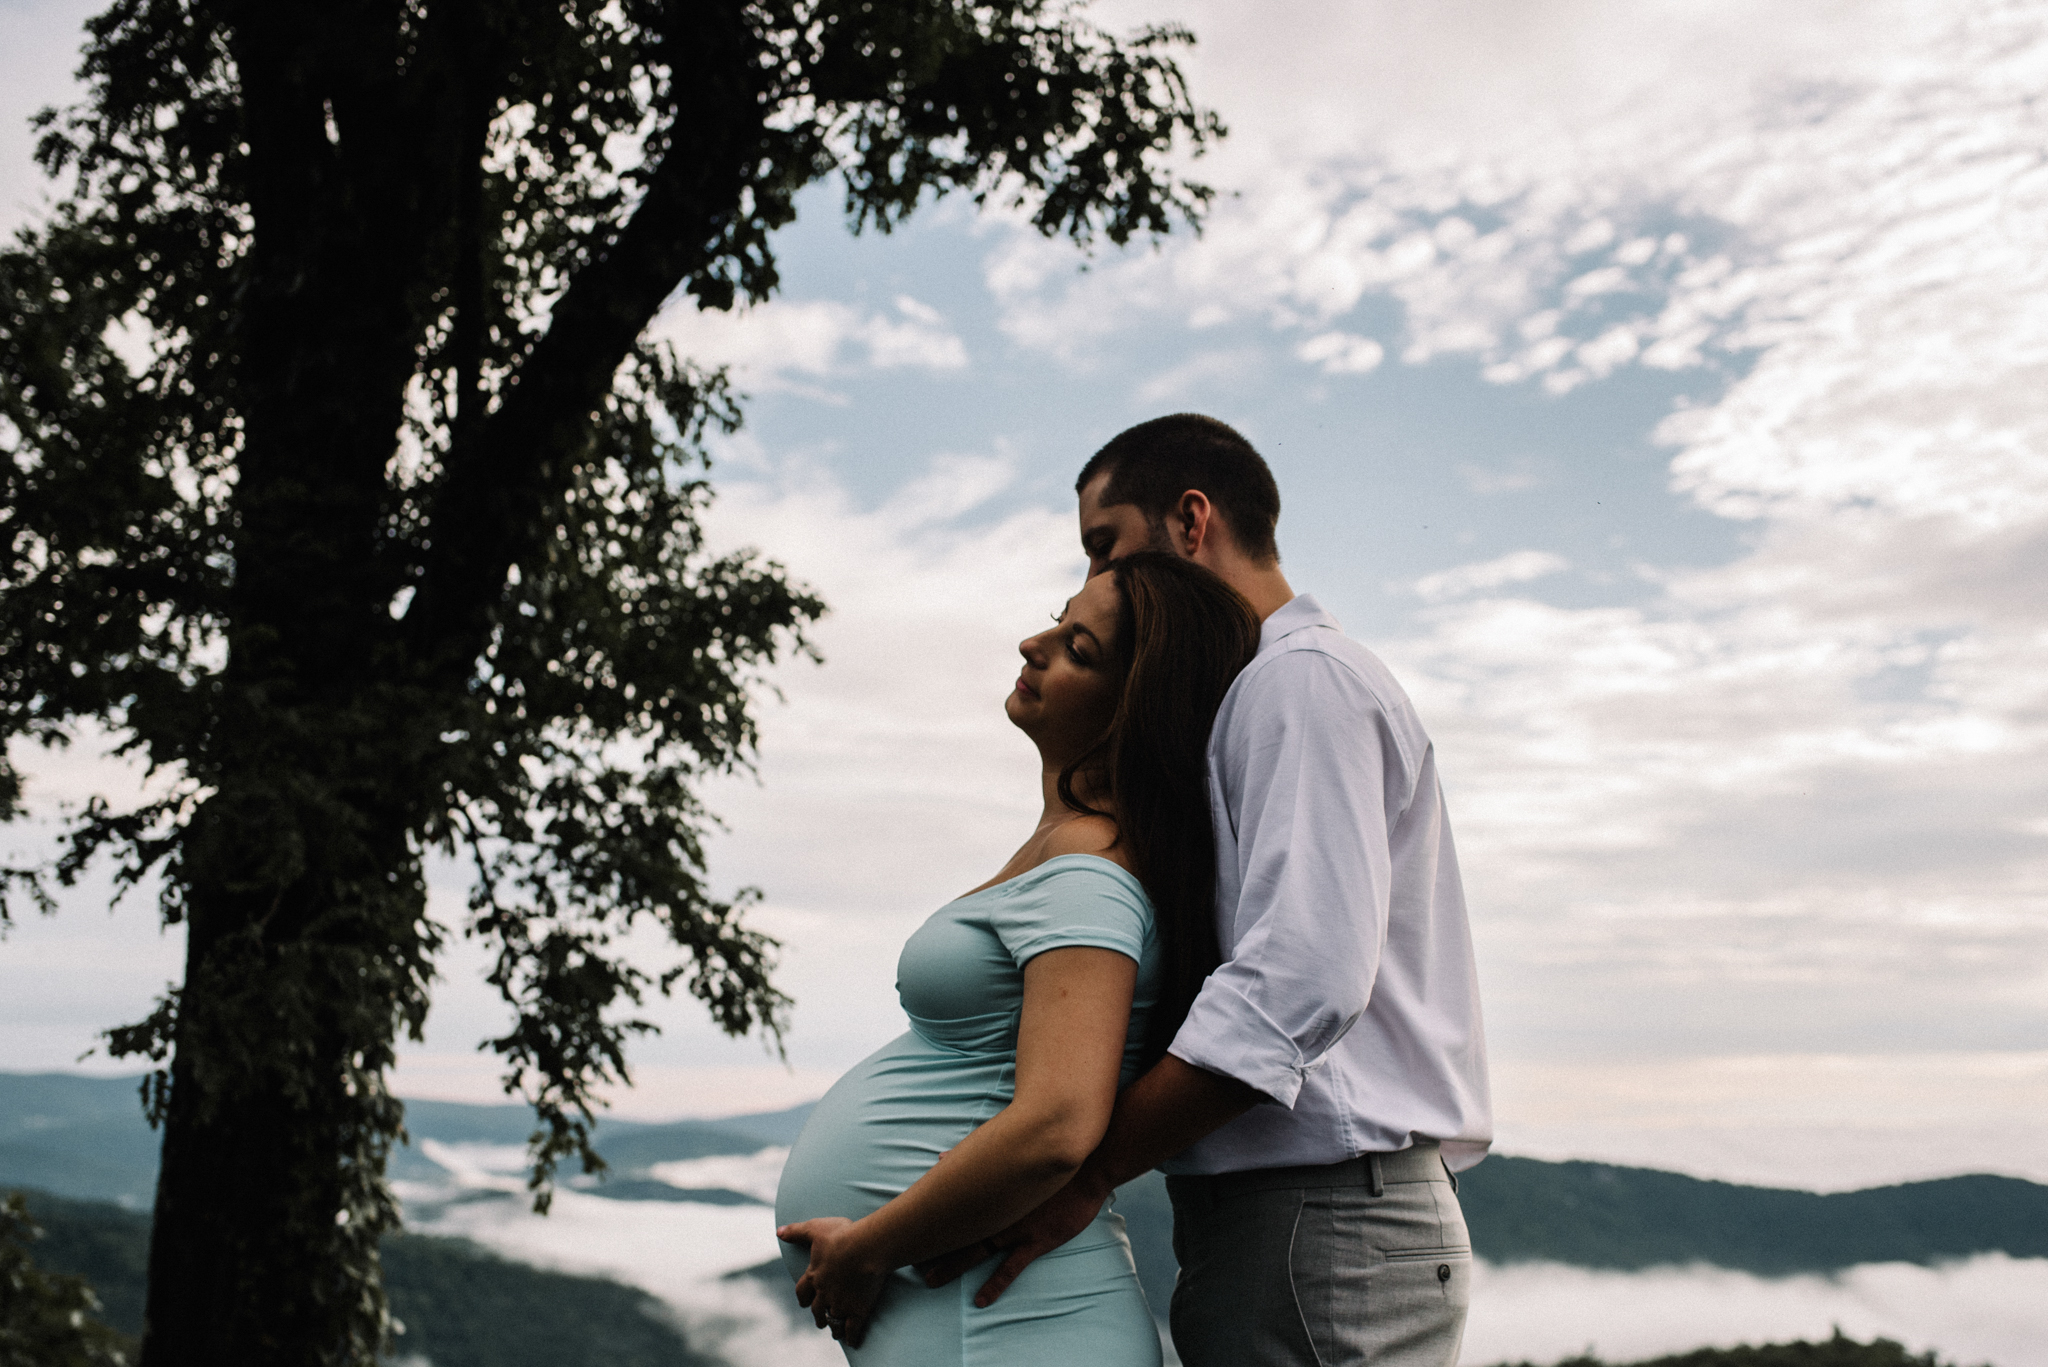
(679, 1252)
(1807, 770)
(1520, 567)
(1341, 353)
(1511, 477)
(771, 344)
(892, 779)
(1555, 190)
(1777, 803)
(1199, 378)
(1782, 1117)
(1793, 802)
(1981, 1309)
(756, 1174)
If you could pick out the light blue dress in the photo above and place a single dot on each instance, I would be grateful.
(961, 981)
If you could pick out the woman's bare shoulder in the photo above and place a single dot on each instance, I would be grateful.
(1096, 835)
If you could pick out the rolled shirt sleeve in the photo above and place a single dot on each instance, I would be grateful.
(1303, 765)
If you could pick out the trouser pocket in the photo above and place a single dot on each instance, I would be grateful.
(1448, 1269)
(1383, 1280)
(1319, 1276)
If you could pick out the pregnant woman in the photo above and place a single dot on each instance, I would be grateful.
(1032, 1000)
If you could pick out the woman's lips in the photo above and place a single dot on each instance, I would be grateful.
(1026, 689)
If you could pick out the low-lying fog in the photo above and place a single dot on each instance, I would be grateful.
(1983, 1310)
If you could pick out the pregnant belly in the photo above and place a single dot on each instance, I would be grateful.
(882, 1126)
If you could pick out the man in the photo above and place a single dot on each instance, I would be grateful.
(1332, 1072)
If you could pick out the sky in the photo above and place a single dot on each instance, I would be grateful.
(1661, 388)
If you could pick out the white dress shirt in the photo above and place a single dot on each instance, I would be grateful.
(1347, 992)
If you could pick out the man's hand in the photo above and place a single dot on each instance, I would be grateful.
(842, 1284)
(1043, 1230)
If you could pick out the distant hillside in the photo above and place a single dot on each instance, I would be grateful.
(1839, 1351)
(461, 1306)
(77, 1136)
(635, 1150)
(771, 1127)
(1598, 1215)
(628, 1145)
(85, 1138)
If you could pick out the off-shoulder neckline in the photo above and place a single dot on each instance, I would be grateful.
(1045, 863)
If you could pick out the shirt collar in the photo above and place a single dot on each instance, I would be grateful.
(1297, 614)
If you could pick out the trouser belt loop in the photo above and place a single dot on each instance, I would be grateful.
(1375, 1180)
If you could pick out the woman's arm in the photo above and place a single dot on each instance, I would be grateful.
(1070, 1045)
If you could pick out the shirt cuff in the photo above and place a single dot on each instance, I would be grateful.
(1227, 1033)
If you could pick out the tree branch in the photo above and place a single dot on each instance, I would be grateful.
(490, 511)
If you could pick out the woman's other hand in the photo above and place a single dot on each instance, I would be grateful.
(843, 1282)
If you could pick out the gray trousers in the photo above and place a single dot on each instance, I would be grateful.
(1363, 1262)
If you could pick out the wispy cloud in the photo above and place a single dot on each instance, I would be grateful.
(1342, 353)
(1797, 771)
(782, 342)
(1519, 567)
(1203, 378)
(1510, 477)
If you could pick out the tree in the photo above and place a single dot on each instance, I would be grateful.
(347, 489)
(47, 1319)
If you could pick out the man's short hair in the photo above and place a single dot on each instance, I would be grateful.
(1151, 465)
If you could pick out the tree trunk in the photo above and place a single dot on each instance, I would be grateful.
(307, 945)
(236, 1166)
(271, 1199)
(307, 941)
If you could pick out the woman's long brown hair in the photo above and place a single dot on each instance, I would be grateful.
(1184, 635)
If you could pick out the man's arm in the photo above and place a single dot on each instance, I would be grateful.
(1160, 1114)
(1305, 768)
(1157, 1116)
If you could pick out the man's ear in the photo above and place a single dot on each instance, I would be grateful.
(1197, 521)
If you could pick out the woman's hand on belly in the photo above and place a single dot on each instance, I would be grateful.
(844, 1279)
